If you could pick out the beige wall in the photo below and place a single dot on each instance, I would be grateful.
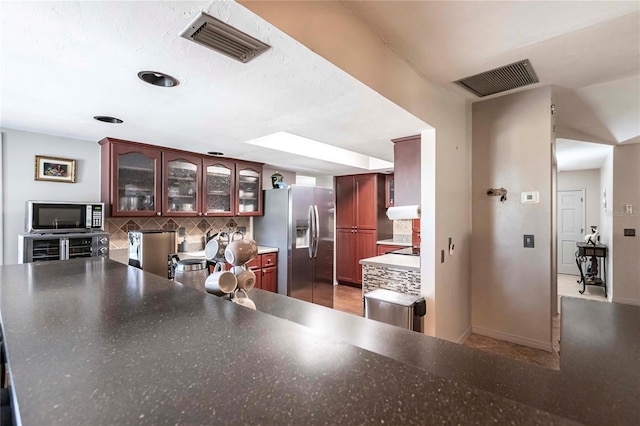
(511, 285)
(324, 27)
(589, 180)
(18, 186)
(626, 262)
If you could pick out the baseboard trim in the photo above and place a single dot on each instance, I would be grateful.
(626, 301)
(525, 341)
(463, 337)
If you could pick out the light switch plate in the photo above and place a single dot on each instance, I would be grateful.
(530, 197)
(529, 241)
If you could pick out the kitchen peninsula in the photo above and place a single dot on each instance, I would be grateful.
(92, 341)
(391, 271)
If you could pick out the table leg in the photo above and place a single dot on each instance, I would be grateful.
(582, 280)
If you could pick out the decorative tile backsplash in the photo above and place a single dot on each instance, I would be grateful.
(396, 279)
(402, 227)
(195, 228)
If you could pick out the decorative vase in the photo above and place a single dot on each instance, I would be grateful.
(276, 178)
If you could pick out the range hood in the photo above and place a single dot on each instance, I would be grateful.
(403, 212)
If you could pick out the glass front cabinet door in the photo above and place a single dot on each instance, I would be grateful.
(219, 187)
(249, 185)
(181, 184)
(137, 181)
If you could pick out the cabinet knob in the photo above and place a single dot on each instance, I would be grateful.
(158, 214)
(205, 213)
(199, 214)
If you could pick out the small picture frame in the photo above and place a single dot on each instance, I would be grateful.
(55, 169)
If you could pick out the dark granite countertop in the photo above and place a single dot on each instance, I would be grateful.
(599, 378)
(91, 341)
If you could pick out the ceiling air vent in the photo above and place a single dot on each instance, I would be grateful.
(223, 38)
(500, 79)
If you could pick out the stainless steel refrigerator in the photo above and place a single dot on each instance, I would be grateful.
(299, 221)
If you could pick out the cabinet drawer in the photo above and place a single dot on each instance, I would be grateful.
(386, 248)
(256, 263)
(269, 259)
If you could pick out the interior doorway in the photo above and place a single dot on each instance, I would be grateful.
(583, 173)
(571, 228)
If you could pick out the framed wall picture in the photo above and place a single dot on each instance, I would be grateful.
(55, 169)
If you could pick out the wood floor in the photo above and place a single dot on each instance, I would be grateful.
(349, 299)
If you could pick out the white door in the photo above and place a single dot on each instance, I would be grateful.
(571, 212)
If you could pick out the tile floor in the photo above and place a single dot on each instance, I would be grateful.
(568, 286)
(349, 299)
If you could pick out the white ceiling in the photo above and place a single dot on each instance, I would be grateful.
(64, 62)
(589, 50)
(575, 155)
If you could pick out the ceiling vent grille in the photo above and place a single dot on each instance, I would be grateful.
(500, 79)
(223, 38)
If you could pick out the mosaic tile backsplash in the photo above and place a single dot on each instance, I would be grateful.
(396, 279)
(195, 228)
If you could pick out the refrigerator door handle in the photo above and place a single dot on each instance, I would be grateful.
(311, 232)
(316, 237)
(64, 249)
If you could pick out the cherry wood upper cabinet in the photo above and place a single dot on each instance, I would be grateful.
(345, 200)
(389, 191)
(367, 204)
(218, 186)
(181, 180)
(406, 170)
(357, 201)
(130, 182)
(249, 189)
(146, 180)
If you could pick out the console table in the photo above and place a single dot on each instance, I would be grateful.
(593, 258)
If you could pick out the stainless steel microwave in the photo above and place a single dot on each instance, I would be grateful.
(56, 216)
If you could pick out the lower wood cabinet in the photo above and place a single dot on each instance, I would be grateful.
(269, 279)
(351, 246)
(264, 266)
(386, 248)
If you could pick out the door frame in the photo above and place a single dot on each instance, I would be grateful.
(584, 219)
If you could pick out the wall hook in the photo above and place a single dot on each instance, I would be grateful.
(498, 192)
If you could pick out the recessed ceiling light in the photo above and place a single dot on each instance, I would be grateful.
(216, 153)
(293, 144)
(157, 78)
(107, 119)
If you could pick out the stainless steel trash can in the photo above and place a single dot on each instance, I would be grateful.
(391, 307)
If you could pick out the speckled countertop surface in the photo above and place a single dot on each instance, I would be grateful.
(600, 354)
(91, 341)
(399, 261)
(398, 241)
